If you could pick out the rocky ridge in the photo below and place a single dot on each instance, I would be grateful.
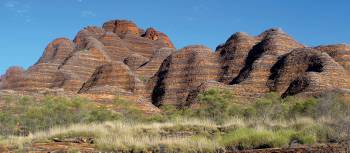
(121, 59)
(251, 67)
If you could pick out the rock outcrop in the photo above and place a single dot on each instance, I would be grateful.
(115, 79)
(340, 53)
(251, 67)
(80, 66)
(252, 78)
(181, 73)
(135, 61)
(133, 38)
(122, 27)
(233, 55)
(57, 51)
(93, 62)
(150, 68)
(307, 71)
(122, 59)
(13, 74)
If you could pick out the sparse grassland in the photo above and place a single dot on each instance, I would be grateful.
(218, 124)
(183, 135)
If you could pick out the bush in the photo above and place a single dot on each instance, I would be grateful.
(302, 138)
(218, 122)
(246, 138)
(171, 112)
(304, 108)
(101, 115)
(216, 104)
(28, 114)
(128, 110)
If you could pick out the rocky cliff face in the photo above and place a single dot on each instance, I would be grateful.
(122, 59)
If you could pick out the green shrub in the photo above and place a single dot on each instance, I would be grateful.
(304, 108)
(171, 112)
(129, 110)
(304, 138)
(143, 79)
(101, 115)
(249, 112)
(32, 115)
(268, 122)
(215, 104)
(246, 138)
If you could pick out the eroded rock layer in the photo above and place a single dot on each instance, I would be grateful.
(251, 67)
(135, 61)
(307, 71)
(233, 55)
(113, 78)
(340, 53)
(38, 77)
(71, 66)
(120, 58)
(57, 51)
(13, 74)
(150, 68)
(252, 78)
(81, 66)
(181, 73)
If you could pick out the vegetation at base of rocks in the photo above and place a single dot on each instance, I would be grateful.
(220, 104)
(23, 115)
(249, 138)
(182, 135)
(218, 123)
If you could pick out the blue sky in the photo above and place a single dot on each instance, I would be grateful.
(27, 26)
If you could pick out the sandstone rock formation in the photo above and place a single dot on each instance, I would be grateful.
(113, 78)
(12, 75)
(150, 68)
(251, 67)
(57, 51)
(121, 27)
(340, 53)
(233, 55)
(182, 72)
(307, 71)
(135, 61)
(92, 63)
(121, 59)
(252, 78)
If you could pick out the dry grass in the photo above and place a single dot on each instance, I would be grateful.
(192, 131)
(121, 135)
(126, 136)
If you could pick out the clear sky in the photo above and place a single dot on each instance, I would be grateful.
(27, 26)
